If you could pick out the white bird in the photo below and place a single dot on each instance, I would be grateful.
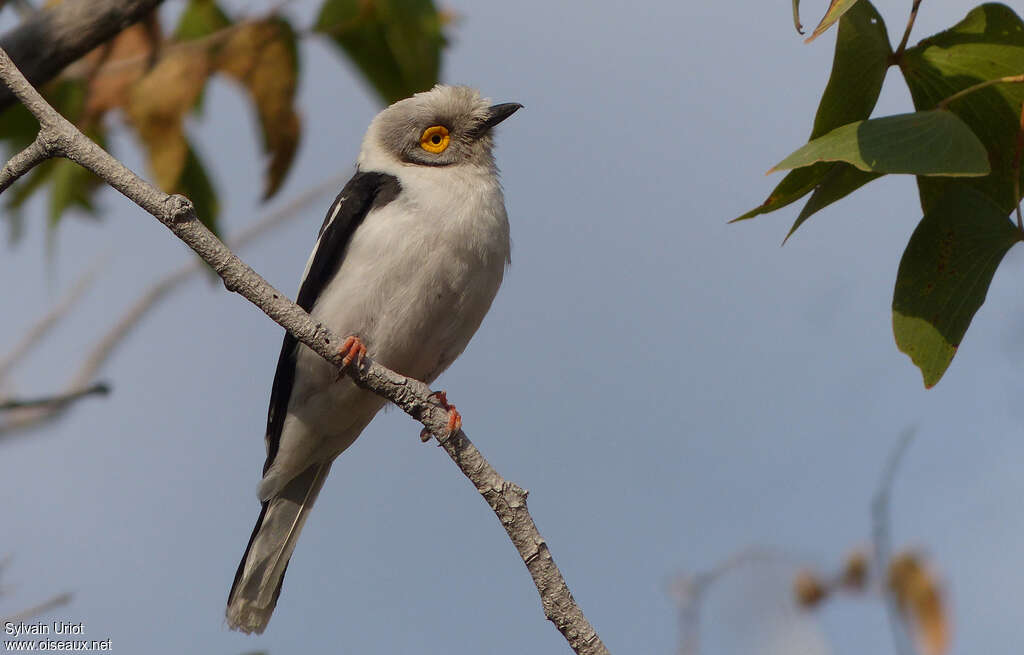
(407, 263)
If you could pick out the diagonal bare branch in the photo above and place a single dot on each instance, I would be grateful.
(506, 499)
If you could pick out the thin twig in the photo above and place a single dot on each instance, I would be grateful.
(101, 352)
(33, 155)
(689, 592)
(506, 499)
(42, 608)
(41, 327)
(898, 55)
(883, 546)
(115, 335)
(1009, 79)
(60, 400)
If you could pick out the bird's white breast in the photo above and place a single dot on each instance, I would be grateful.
(420, 273)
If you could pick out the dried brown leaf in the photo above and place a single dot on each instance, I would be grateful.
(261, 56)
(855, 571)
(809, 589)
(118, 65)
(157, 105)
(919, 597)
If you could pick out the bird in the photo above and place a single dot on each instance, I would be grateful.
(406, 264)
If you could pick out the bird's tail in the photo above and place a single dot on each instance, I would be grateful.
(261, 571)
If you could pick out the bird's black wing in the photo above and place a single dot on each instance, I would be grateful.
(365, 191)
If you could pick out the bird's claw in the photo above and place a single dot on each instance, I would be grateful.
(352, 349)
(454, 418)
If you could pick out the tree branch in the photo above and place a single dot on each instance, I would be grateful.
(689, 592)
(26, 419)
(1009, 79)
(507, 500)
(60, 400)
(898, 55)
(43, 608)
(33, 155)
(883, 544)
(42, 326)
(54, 37)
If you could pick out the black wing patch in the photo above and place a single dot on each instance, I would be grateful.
(365, 191)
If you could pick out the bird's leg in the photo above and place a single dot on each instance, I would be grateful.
(454, 418)
(352, 348)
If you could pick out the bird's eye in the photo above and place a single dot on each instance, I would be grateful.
(435, 139)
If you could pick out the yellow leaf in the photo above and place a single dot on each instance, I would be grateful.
(261, 56)
(809, 589)
(919, 597)
(855, 571)
(117, 66)
(156, 107)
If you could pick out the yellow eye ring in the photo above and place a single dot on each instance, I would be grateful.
(435, 139)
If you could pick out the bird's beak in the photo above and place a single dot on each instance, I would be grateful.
(498, 113)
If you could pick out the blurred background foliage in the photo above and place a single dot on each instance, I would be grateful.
(151, 77)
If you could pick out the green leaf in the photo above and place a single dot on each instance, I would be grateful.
(18, 127)
(944, 276)
(72, 187)
(17, 195)
(200, 18)
(840, 181)
(858, 70)
(797, 184)
(835, 11)
(395, 44)
(195, 185)
(923, 143)
(988, 43)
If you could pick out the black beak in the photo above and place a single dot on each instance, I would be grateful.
(498, 113)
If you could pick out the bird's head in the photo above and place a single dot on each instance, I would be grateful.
(445, 126)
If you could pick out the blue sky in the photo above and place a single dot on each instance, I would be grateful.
(671, 389)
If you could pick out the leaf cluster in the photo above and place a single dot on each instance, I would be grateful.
(962, 144)
(152, 80)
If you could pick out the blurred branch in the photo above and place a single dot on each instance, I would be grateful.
(883, 544)
(506, 499)
(102, 350)
(57, 601)
(41, 327)
(56, 402)
(689, 592)
(52, 38)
